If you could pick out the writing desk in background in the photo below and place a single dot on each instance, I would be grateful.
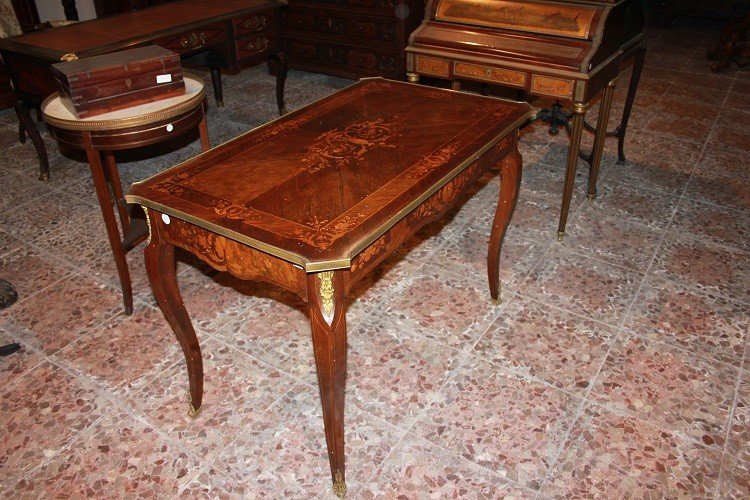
(244, 32)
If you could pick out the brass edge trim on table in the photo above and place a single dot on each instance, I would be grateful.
(331, 265)
(146, 119)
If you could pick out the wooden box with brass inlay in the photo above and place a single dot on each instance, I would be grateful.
(100, 84)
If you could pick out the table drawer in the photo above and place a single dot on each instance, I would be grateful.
(341, 58)
(338, 24)
(254, 23)
(196, 39)
(255, 45)
(387, 5)
(501, 76)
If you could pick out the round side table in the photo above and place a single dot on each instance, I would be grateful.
(128, 128)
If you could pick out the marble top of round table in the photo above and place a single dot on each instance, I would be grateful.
(57, 114)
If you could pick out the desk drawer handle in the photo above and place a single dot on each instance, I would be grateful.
(194, 40)
(256, 23)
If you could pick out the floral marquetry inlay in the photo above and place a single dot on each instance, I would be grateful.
(341, 148)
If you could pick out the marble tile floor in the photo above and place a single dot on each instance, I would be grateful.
(617, 366)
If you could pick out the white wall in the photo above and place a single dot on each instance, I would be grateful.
(52, 9)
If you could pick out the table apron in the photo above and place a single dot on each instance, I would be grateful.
(132, 137)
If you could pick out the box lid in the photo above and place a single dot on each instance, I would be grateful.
(92, 70)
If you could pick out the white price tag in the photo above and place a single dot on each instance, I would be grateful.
(163, 78)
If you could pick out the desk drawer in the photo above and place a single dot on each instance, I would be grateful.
(254, 23)
(196, 39)
(340, 59)
(252, 46)
(356, 28)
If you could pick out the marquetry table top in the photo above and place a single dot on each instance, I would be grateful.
(56, 113)
(318, 185)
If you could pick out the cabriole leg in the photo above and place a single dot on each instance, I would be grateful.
(510, 182)
(160, 267)
(327, 306)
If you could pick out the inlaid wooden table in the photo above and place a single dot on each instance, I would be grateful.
(315, 200)
(127, 128)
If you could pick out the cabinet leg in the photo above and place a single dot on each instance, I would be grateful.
(579, 113)
(216, 82)
(281, 80)
(635, 78)
(327, 306)
(601, 134)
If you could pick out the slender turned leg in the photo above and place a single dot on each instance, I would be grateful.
(23, 111)
(281, 80)
(412, 78)
(510, 182)
(216, 82)
(21, 133)
(455, 85)
(203, 131)
(635, 78)
(110, 221)
(162, 275)
(327, 305)
(114, 181)
(601, 134)
(579, 112)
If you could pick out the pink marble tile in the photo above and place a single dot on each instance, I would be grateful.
(714, 187)
(125, 353)
(466, 255)
(40, 414)
(535, 217)
(613, 238)
(118, 456)
(18, 364)
(678, 127)
(392, 374)
(583, 285)
(210, 483)
(612, 456)
(667, 387)
(735, 478)
(509, 424)
(704, 324)
(19, 189)
(284, 454)
(44, 215)
(419, 469)
(719, 224)
(64, 312)
(704, 265)
(30, 271)
(653, 208)
(730, 136)
(722, 161)
(560, 348)
(277, 331)
(451, 309)
(237, 389)
(8, 243)
(738, 440)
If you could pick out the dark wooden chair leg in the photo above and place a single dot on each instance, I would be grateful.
(160, 266)
(579, 113)
(327, 306)
(510, 182)
(23, 111)
(283, 67)
(110, 221)
(113, 175)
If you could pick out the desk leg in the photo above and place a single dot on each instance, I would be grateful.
(113, 175)
(510, 182)
(327, 305)
(579, 113)
(635, 78)
(160, 266)
(281, 80)
(110, 221)
(27, 126)
(601, 133)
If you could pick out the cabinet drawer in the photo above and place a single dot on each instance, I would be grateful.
(388, 5)
(338, 24)
(192, 40)
(350, 60)
(254, 23)
(255, 45)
